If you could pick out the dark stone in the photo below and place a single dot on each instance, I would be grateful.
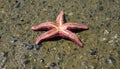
(16, 1)
(75, 49)
(108, 24)
(26, 61)
(50, 7)
(59, 62)
(100, 8)
(18, 5)
(37, 47)
(101, 24)
(22, 20)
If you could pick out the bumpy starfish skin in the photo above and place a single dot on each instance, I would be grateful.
(59, 28)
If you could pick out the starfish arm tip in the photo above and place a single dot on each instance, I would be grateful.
(86, 27)
(37, 42)
(62, 12)
(33, 28)
(81, 46)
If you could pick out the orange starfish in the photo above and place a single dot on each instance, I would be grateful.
(59, 28)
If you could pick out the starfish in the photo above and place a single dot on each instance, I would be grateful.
(59, 28)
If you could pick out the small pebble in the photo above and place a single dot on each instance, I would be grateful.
(17, 25)
(42, 61)
(118, 18)
(93, 51)
(8, 1)
(103, 39)
(106, 32)
(111, 60)
(23, 44)
(48, 51)
(4, 60)
(115, 36)
(59, 56)
(13, 41)
(23, 57)
(21, 20)
(4, 54)
(53, 64)
(30, 47)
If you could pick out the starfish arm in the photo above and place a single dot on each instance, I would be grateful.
(71, 26)
(44, 26)
(60, 18)
(68, 34)
(49, 34)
